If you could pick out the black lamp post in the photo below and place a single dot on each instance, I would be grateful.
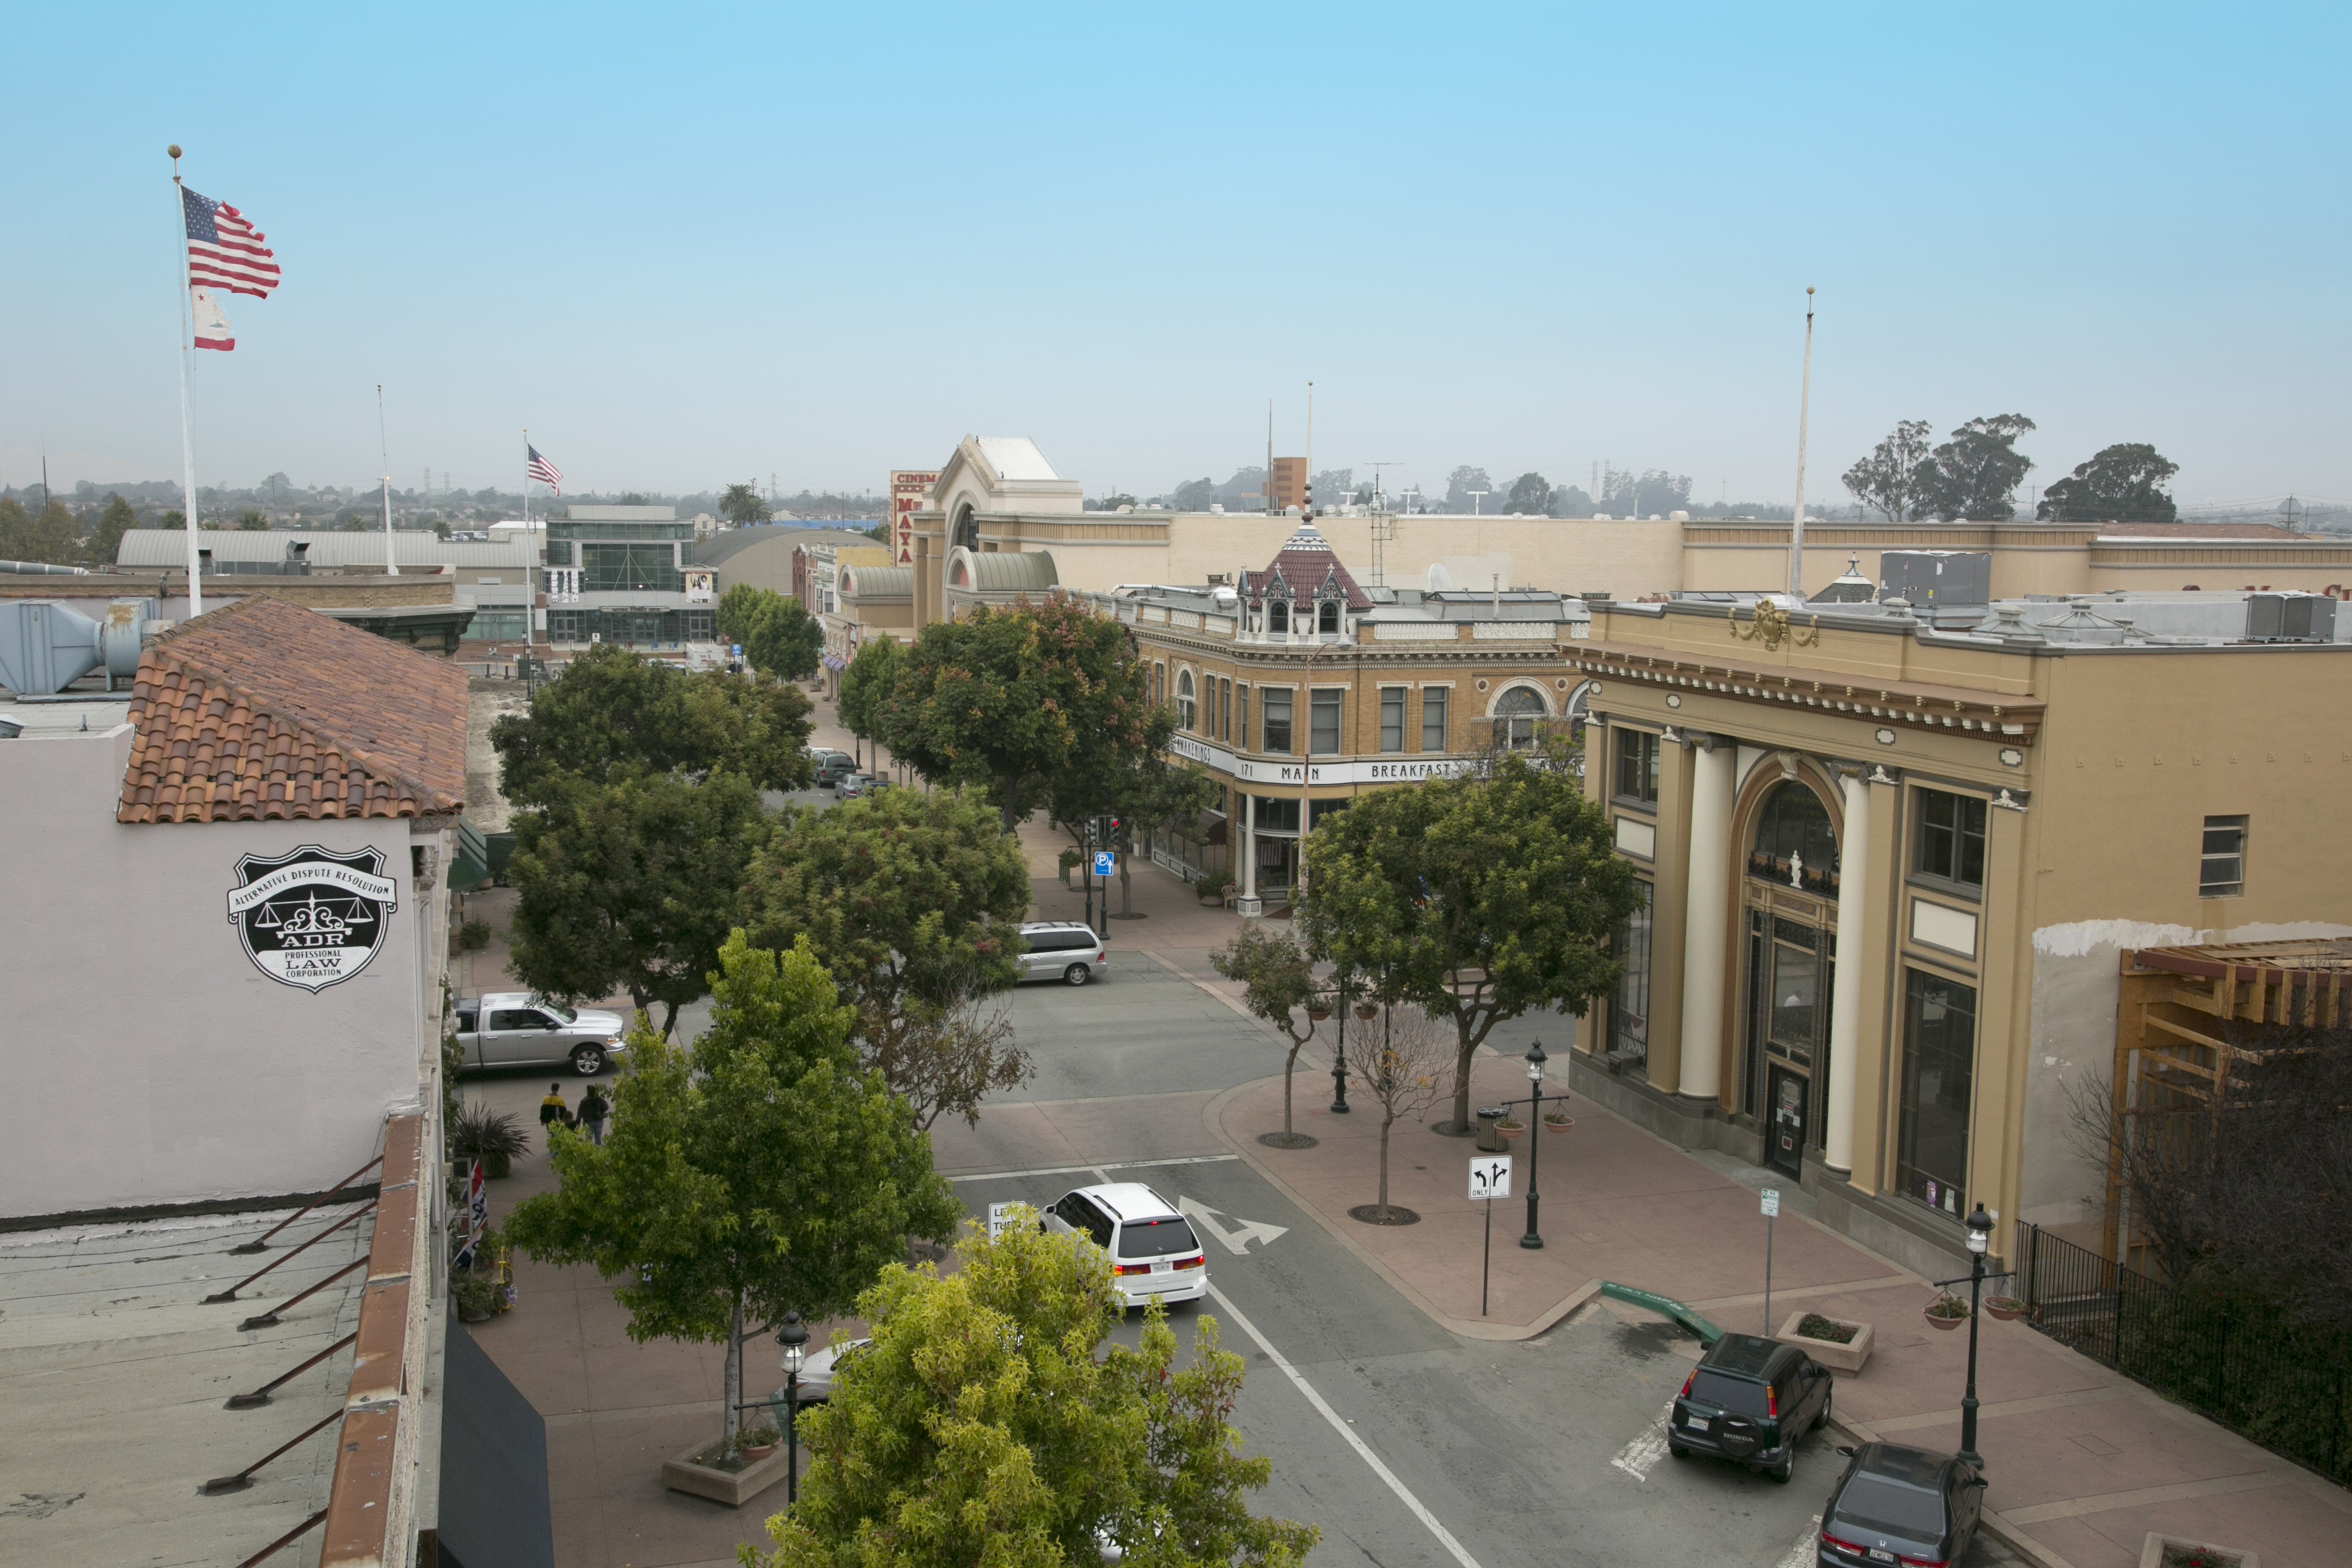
(1339, 1052)
(1535, 1061)
(793, 1337)
(1979, 1226)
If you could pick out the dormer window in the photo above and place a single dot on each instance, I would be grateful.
(1326, 616)
(1277, 616)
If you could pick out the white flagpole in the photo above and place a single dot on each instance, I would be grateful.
(529, 607)
(187, 378)
(383, 450)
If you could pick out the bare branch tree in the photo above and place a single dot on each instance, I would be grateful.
(944, 1059)
(1401, 1064)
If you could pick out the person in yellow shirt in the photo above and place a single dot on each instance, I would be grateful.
(553, 1111)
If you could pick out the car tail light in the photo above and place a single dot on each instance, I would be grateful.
(1200, 1262)
(1842, 1543)
(1771, 1403)
(1102, 957)
(1686, 1383)
(1130, 1269)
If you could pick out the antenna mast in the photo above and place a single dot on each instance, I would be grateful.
(383, 450)
(1383, 526)
(1804, 406)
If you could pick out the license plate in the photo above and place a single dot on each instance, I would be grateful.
(1163, 1269)
(1698, 1423)
(1877, 1554)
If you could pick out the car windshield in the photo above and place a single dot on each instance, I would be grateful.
(1891, 1506)
(1156, 1238)
(564, 1014)
(1733, 1393)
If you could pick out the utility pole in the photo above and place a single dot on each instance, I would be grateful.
(1804, 406)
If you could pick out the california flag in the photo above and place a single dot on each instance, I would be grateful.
(213, 331)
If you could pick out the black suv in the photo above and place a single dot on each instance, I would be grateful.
(1751, 1399)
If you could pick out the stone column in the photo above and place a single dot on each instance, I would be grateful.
(1707, 920)
(1853, 962)
(1246, 902)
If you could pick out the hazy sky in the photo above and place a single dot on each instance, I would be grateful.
(685, 243)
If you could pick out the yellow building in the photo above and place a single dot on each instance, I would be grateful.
(1894, 867)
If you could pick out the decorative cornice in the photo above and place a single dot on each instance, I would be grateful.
(1957, 709)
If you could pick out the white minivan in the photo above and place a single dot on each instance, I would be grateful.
(1153, 1251)
(1063, 950)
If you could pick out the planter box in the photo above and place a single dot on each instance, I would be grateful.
(2152, 1554)
(694, 1474)
(1847, 1357)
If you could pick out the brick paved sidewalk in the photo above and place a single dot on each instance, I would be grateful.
(2083, 1463)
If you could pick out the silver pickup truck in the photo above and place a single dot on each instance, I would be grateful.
(515, 1028)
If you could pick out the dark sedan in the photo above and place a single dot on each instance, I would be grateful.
(1900, 1507)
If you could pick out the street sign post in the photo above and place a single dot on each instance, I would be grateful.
(1105, 862)
(996, 1219)
(1490, 1178)
(1772, 1207)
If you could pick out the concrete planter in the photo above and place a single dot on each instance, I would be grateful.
(2167, 1551)
(695, 1474)
(1847, 1357)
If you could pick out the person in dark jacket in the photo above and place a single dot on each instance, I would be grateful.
(593, 1110)
(553, 1111)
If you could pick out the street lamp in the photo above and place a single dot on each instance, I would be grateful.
(793, 1337)
(1339, 1052)
(1979, 1226)
(1536, 1059)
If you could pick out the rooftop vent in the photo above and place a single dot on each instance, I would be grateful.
(1937, 579)
(2290, 618)
(45, 646)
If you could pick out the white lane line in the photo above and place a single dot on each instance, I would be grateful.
(1636, 1458)
(1803, 1553)
(1340, 1424)
(1095, 1170)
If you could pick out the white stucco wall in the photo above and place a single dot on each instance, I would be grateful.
(146, 1060)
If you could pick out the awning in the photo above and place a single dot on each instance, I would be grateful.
(834, 662)
(471, 863)
(495, 1506)
(1211, 827)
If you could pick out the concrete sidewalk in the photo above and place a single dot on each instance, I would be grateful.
(2083, 1463)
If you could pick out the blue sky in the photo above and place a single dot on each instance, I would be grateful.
(695, 243)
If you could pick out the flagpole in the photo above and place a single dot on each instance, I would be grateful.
(528, 595)
(187, 397)
(383, 450)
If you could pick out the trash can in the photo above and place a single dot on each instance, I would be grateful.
(1489, 1141)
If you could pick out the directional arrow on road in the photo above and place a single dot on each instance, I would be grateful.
(1237, 1240)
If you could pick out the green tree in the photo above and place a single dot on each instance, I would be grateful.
(867, 684)
(759, 1172)
(1277, 980)
(1460, 485)
(52, 535)
(252, 522)
(2122, 483)
(1011, 700)
(172, 518)
(1195, 495)
(786, 641)
(1476, 899)
(880, 534)
(911, 900)
(1530, 495)
(116, 519)
(994, 1421)
(612, 708)
(1898, 475)
(733, 618)
(1132, 796)
(631, 885)
(741, 505)
(1975, 475)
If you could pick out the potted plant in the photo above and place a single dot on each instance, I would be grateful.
(476, 1296)
(472, 936)
(1948, 1312)
(2007, 1308)
(1833, 1341)
(1069, 861)
(753, 1444)
(1557, 1120)
(1319, 1010)
(1367, 1011)
(494, 1137)
(1510, 1127)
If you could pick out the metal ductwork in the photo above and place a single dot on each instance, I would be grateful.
(45, 645)
(42, 569)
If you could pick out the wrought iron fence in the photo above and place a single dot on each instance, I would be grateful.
(2287, 1388)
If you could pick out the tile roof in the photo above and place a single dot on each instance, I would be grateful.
(264, 710)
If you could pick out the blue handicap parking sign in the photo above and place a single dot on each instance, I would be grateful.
(1103, 858)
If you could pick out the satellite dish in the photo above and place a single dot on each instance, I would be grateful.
(1438, 578)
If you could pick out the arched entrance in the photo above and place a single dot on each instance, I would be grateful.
(1788, 824)
(965, 533)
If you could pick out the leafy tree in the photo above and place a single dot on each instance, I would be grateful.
(1195, 495)
(440, 527)
(52, 534)
(1530, 494)
(733, 617)
(880, 534)
(742, 505)
(612, 709)
(911, 900)
(1475, 898)
(105, 540)
(2122, 483)
(631, 885)
(252, 522)
(1975, 475)
(631, 498)
(172, 518)
(1461, 482)
(1569, 501)
(867, 685)
(1400, 1067)
(1135, 796)
(1110, 502)
(758, 1172)
(1012, 700)
(1653, 492)
(1898, 475)
(994, 1421)
(1277, 980)
(786, 641)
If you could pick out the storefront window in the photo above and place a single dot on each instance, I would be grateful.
(1794, 841)
(1323, 723)
(1629, 1009)
(1277, 705)
(1939, 1024)
(630, 568)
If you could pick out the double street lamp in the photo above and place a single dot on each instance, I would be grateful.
(1980, 1239)
(1536, 1058)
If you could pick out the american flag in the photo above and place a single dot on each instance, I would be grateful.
(225, 251)
(542, 470)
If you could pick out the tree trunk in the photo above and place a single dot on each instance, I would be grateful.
(1288, 1062)
(1385, 1124)
(733, 1420)
(1126, 883)
(1462, 1085)
(669, 1019)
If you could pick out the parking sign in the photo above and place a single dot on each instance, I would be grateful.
(1104, 862)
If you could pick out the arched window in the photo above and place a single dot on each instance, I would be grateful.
(1277, 616)
(967, 528)
(1518, 714)
(1184, 699)
(1326, 616)
(1794, 842)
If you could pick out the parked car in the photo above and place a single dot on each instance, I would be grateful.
(1749, 1399)
(849, 787)
(1065, 951)
(1902, 1506)
(515, 1028)
(817, 1369)
(827, 767)
(1153, 1251)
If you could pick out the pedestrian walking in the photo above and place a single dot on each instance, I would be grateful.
(593, 1110)
(552, 1111)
